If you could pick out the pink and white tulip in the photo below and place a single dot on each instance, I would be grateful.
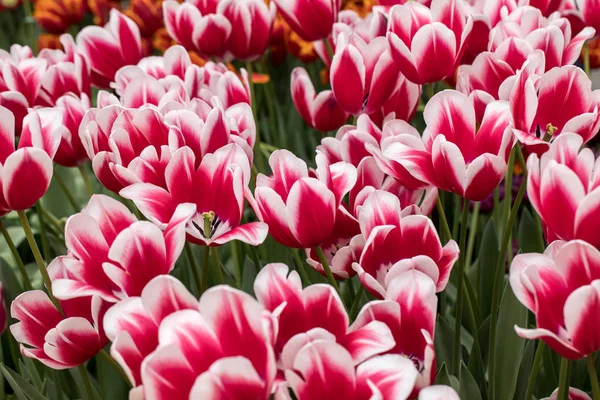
(562, 288)
(311, 20)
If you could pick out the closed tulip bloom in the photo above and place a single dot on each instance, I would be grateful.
(427, 43)
(312, 20)
(111, 47)
(26, 172)
(320, 111)
(301, 210)
(562, 288)
(574, 394)
(563, 188)
(71, 152)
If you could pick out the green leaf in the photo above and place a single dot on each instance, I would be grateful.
(12, 286)
(468, 388)
(509, 346)
(444, 378)
(488, 256)
(23, 389)
(112, 385)
(443, 340)
(525, 370)
(529, 235)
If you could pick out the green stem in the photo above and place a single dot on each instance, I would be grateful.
(499, 279)
(445, 228)
(473, 233)
(535, 369)
(193, 265)
(239, 265)
(586, 58)
(476, 349)
(456, 356)
(430, 91)
(218, 266)
(356, 302)
(30, 23)
(325, 265)
(66, 191)
(86, 180)
(591, 367)
(42, 221)
(205, 262)
(354, 120)
(257, 155)
(300, 267)
(563, 382)
(115, 365)
(87, 394)
(508, 184)
(329, 49)
(13, 249)
(38, 256)
(55, 222)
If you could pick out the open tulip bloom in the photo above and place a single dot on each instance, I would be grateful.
(300, 200)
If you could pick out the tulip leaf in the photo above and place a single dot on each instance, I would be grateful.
(529, 234)
(468, 388)
(444, 334)
(112, 385)
(525, 370)
(11, 284)
(508, 346)
(22, 388)
(488, 256)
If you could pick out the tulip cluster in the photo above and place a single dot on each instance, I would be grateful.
(221, 250)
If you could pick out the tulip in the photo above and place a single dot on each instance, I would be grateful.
(534, 106)
(574, 394)
(317, 306)
(452, 155)
(251, 24)
(361, 73)
(311, 20)
(25, 173)
(438, 392)
(58, 341)
(562, 288)
(56, 16)
(322, 111)
(217, 187)
(117, 44)
(147, 14)
(23, 75)
(132, 324)
(301, 210)
(310, 359)
(197, 30)
(409, 310)
(109, 251)
(590, 11)
(427, 44)
(562, 187)
(71, 152)
(231, 355)
(553, 36)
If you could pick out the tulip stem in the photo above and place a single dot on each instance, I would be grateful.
(38, 256)
(30, 22)
(205, 262)
(66, 191)
(325, 265)
(87, 392)
(473, 233)
(13, 249)
(329, 49)
(535, 369)
(499, 280)
(300, 267)
(563, 383)
(86, 180)
(430, 91)
(591, 367)
(445, 228)
(460, 288)
(508, 184)
(115, 365)
(193, 265)
(586, 58)
(239, 265)
(257, 155)
(356, 302)
(218, 267)
(42, 221)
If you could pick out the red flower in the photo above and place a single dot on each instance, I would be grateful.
(311, 20)
(562, 288)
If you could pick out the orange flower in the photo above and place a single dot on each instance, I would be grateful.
(101, 9)
(594, 48)
(361, 7)
(147, 14)
(56, 16)
(284, 37)
(49, 41)
(162, 40)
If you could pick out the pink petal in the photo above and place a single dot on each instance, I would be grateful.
(434, 50)
(232, 377)
(391, 376)
(7, 134)
(36, 315)
(153, 201)
(324, 309)
(26, 177)
(253, 233)
(348, 77)
(369, 340)
(438, 392)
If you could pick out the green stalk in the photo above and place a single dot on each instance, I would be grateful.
(38, 257)
(218, 267)
(257, 156)
(445, 228)
(30, 23)
(239, 266)
(473, 233)
(535, 369)
(45, 245)
(87, 394)
(456, 357)
(328, 272)
(300, 267)
(591, 367)
(115, 365)
(329, 49)
(356, 303)
(563, 383)
(193, 265)
(508, 184)
(86, 180)
(205, 262)
(586, 58)
(15, 253)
